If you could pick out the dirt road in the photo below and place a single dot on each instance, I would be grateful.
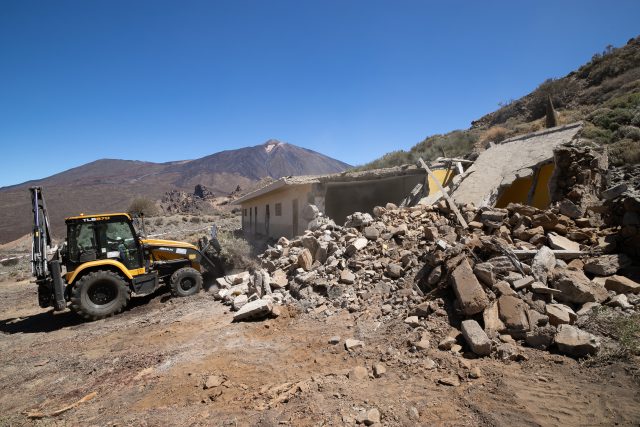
(149, 366)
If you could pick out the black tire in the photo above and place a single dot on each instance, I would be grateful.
(100, 294)
(185, 281)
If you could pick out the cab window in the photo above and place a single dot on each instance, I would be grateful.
(81, 240)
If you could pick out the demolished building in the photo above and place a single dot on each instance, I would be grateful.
(511, 278)
(518, 170)
(286, 207)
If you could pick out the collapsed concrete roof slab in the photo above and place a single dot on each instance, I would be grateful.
(500, 165)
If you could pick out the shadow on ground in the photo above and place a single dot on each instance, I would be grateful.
(41, 322)
(49, 321)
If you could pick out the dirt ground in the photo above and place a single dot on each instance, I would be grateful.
(148, 367)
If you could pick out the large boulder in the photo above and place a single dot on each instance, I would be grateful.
(491, 318)
(560, 314)
(477, 339)
(254, 309)
(577, 288)
(311, 243)
(305, 260)
(606, 265)
(513, 313)
(471, 297)
(543, 264)
(559, 242)
(576, 342)
(622, 285)
(279, 279)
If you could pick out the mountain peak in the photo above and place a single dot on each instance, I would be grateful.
(271, 144)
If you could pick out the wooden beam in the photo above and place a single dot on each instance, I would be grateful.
(559, 253)
(452, 204)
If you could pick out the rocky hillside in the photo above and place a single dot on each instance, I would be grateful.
(111, 185)
(605, 93)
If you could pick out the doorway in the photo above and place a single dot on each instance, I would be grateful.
(294, 207)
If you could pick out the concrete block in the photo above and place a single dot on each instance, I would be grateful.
(576, 342)
(557, 241)
(560, 314)
(253, 309)
(621, 285)
(477, 339)
(471, 296)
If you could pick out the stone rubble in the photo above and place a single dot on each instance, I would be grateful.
(517, 276)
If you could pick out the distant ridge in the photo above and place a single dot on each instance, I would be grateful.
(110, 184)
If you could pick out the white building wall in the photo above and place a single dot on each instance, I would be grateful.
(279, 225)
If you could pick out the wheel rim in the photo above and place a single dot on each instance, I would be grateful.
(187, 283)
(102, 293)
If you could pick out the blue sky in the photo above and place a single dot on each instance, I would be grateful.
(169, 80)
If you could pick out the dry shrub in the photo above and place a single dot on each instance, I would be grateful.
(624, 152)
(494, 134)
(236, 252)
(529, 127)
(143, 205)
(622, 329)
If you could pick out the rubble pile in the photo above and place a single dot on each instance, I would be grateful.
(622, 208)
(579, 178)
(516, 275)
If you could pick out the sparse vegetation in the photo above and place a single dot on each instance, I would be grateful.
(624, 152)
(494, 134)
(236, 251)
(616, 124)
(623, 330)
(453, 144)
(143, 205)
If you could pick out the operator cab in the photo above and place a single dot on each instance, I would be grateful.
(99, 237)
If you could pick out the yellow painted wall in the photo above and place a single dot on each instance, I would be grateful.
(519, 190)
(440, 175)
(541, 196)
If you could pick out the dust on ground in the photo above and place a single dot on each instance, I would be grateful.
(149, 365)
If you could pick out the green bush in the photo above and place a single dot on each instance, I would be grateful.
(612, 119)
(628, 132)
(597, 134)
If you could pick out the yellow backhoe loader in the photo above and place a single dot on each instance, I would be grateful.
(106, 261)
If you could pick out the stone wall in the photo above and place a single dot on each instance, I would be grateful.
(578, 179)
